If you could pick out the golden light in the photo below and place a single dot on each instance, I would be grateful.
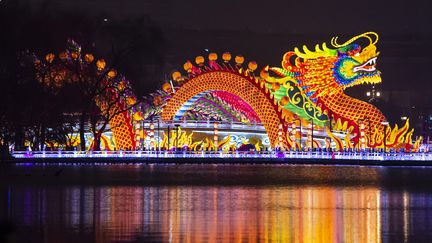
(215, 133)
(166, 87)
(187, 66)
(100, 64)
(112, 73)
(239, 60)
(212, 56)
(88, 58)
(199, 60)
(226, 56)
(131, 101)
(50, 57)
(63, 55)
(176, 75)
(252, 65)
(74, 55)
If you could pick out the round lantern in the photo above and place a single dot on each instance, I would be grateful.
(49, 57)
(199, 60)
(74, 55)
(100, 64)
(252, 65)
(239, 60)
(176, 75)
(187, 66)
(131, 100)
(166, 87)
(89, 58)
(212, 56)
(112, 73)
(226, 56)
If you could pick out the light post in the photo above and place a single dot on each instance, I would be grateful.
(158, 133)
(215, 133)
(177, 129)
(373, 94)
(300, 124)
(312, 135)
(167, 147)
(385, 124)
(151, 134)
(280, 137)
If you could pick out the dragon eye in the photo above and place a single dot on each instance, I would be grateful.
(357, 54)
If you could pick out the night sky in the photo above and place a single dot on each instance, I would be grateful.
(265, 30)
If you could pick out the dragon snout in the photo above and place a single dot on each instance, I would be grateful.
(368, 66)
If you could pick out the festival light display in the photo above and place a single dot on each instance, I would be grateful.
(306, 91)
(308, 87)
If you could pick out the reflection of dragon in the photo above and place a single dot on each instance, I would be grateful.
(323, 75)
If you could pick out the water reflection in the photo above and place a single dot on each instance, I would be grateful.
(260, 213)
(205, 214)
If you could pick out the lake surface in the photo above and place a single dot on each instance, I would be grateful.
(215, 203)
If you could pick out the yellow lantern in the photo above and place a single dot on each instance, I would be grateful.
(63, 55)
(252, 65)
(49, 57)
(188, 66)
(199, 60)
(176, 75)
(112, 73)
(212, 56)
(89, 58)
(100, 64)
(239, 59)
(226, 56)
(166, 87)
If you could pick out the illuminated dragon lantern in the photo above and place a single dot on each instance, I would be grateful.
(315, 82)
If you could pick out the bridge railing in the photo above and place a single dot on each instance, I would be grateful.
(220, 154)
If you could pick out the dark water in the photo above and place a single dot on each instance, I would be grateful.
(209, 203)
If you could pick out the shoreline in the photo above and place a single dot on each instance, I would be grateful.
(216, 160)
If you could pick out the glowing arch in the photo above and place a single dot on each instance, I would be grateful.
(246, 87)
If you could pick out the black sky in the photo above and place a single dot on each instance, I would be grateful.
(264, 30)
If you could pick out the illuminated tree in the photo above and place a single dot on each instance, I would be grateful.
(97, 89)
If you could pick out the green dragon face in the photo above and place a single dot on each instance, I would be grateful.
(355, 66)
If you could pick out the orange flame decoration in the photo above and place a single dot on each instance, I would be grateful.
(396, 138)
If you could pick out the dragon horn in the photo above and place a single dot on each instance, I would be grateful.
(365, 35)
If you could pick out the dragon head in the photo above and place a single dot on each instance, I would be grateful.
(331, 70)
(355, 66)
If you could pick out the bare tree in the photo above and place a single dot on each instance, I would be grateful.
(101, 93)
